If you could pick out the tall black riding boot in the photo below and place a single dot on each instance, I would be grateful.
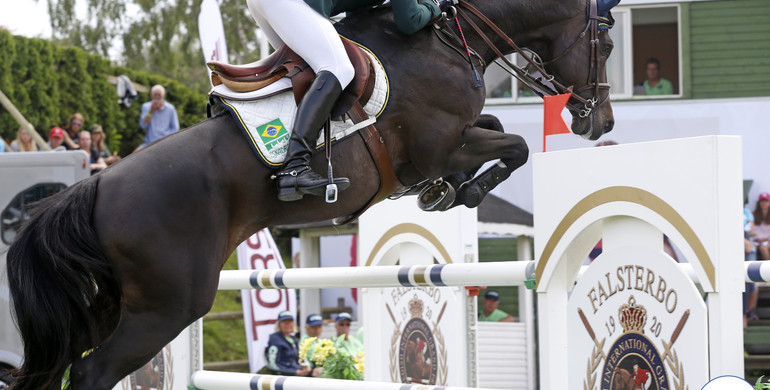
(295, 178)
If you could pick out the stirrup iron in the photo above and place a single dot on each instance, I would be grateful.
(437, 196)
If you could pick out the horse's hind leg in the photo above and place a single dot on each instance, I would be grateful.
(136, 340)
(152, 317)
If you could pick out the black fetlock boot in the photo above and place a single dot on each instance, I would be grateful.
(295, 178)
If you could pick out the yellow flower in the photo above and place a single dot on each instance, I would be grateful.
(304, 346)
(323, 349)
(359, 360)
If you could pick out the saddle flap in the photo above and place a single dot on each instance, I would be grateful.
(360, 89)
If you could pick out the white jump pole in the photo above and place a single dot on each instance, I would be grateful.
(214, 380)
(505, 273)
(508, 273)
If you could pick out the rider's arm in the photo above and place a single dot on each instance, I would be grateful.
(411, 16)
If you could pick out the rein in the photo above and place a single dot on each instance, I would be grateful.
(538, 85)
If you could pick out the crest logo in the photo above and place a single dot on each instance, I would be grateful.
(633, 361)
(417, 349)
(157, 374)
(418, 354)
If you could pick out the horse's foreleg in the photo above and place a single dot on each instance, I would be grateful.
(480, 145)
(484, 121)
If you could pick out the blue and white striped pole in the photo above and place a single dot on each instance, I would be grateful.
(757, 271)
(507, 273)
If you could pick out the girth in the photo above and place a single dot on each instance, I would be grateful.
(284, 62)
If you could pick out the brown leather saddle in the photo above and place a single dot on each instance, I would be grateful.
(284, 62)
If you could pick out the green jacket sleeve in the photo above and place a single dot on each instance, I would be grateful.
(412, 15)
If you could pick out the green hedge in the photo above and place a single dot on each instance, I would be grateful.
(48, 83)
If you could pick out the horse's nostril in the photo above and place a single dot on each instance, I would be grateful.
(608, 125)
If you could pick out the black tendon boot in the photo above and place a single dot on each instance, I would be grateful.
(295, 178)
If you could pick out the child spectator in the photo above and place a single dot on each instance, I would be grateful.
(762, 226)
(23, 142)
(56, 140)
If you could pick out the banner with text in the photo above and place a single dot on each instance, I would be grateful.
(261, 307)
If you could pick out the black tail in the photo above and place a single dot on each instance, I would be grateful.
(60, 283)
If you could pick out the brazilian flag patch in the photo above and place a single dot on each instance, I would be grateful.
(275, 136)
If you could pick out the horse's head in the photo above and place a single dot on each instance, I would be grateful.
(575, 51)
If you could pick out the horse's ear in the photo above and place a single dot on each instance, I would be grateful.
(604, 6)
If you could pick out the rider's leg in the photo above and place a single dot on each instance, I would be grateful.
(313, 37)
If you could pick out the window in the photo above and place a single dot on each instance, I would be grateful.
(640, 34)
(504, 88)
(17, 210)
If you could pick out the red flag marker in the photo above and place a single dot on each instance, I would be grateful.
(553, 123)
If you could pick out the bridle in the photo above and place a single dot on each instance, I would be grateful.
(539, 84)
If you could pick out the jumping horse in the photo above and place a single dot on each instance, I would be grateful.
(120, 263)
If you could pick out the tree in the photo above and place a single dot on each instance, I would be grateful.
(159, 36)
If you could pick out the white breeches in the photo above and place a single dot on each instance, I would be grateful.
(305, 31)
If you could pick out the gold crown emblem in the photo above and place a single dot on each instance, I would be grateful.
(632, 316)
(415, 307)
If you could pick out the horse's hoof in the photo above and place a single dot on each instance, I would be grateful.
(472, 195)
(436, 197)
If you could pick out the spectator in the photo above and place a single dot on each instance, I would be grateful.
(97, 163)
(158, 117)
(656, 85)
(762, 226)
(751, 295)
(73, 127)
(351, 346)
(97, 139)
(283, 349)
(23, 141)
(491, 312)
(56, 139)
(313, 328)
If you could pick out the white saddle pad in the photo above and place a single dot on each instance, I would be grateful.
(268, 121)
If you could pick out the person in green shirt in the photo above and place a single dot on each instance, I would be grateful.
(656, 85)
(304, 26)
(491, 313)
(350, 345)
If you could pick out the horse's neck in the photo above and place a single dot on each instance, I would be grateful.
(517, 19)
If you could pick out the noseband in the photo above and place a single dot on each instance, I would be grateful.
(538, 84)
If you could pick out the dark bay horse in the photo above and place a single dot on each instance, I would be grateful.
(123, 261)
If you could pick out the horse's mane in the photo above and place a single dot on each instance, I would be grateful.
(365, 20)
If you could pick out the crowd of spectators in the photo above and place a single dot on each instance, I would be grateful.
(158, 118)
